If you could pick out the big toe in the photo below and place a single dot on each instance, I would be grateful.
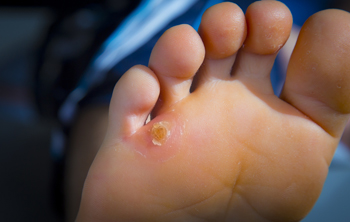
(318, 76)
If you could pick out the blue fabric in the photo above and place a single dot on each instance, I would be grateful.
(138, 29)
(302, 10)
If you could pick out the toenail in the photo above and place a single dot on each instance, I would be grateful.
(160, 132)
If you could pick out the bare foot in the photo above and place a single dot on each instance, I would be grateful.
(228, 149)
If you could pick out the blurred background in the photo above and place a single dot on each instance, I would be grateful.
(26, 163)
(27, 111)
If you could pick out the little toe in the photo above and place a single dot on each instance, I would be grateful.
(133, 98)
(318, 75)
(175, 59)
(269, 25)
(223, 30)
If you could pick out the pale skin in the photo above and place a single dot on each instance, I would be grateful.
(235, 151)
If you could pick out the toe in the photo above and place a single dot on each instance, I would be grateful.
(318, 75)
(269, 25)
(223, 30)
(133, 98)
(175, 59)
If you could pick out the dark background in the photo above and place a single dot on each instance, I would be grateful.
(26, 164)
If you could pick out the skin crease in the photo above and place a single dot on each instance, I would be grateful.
(235, 151)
